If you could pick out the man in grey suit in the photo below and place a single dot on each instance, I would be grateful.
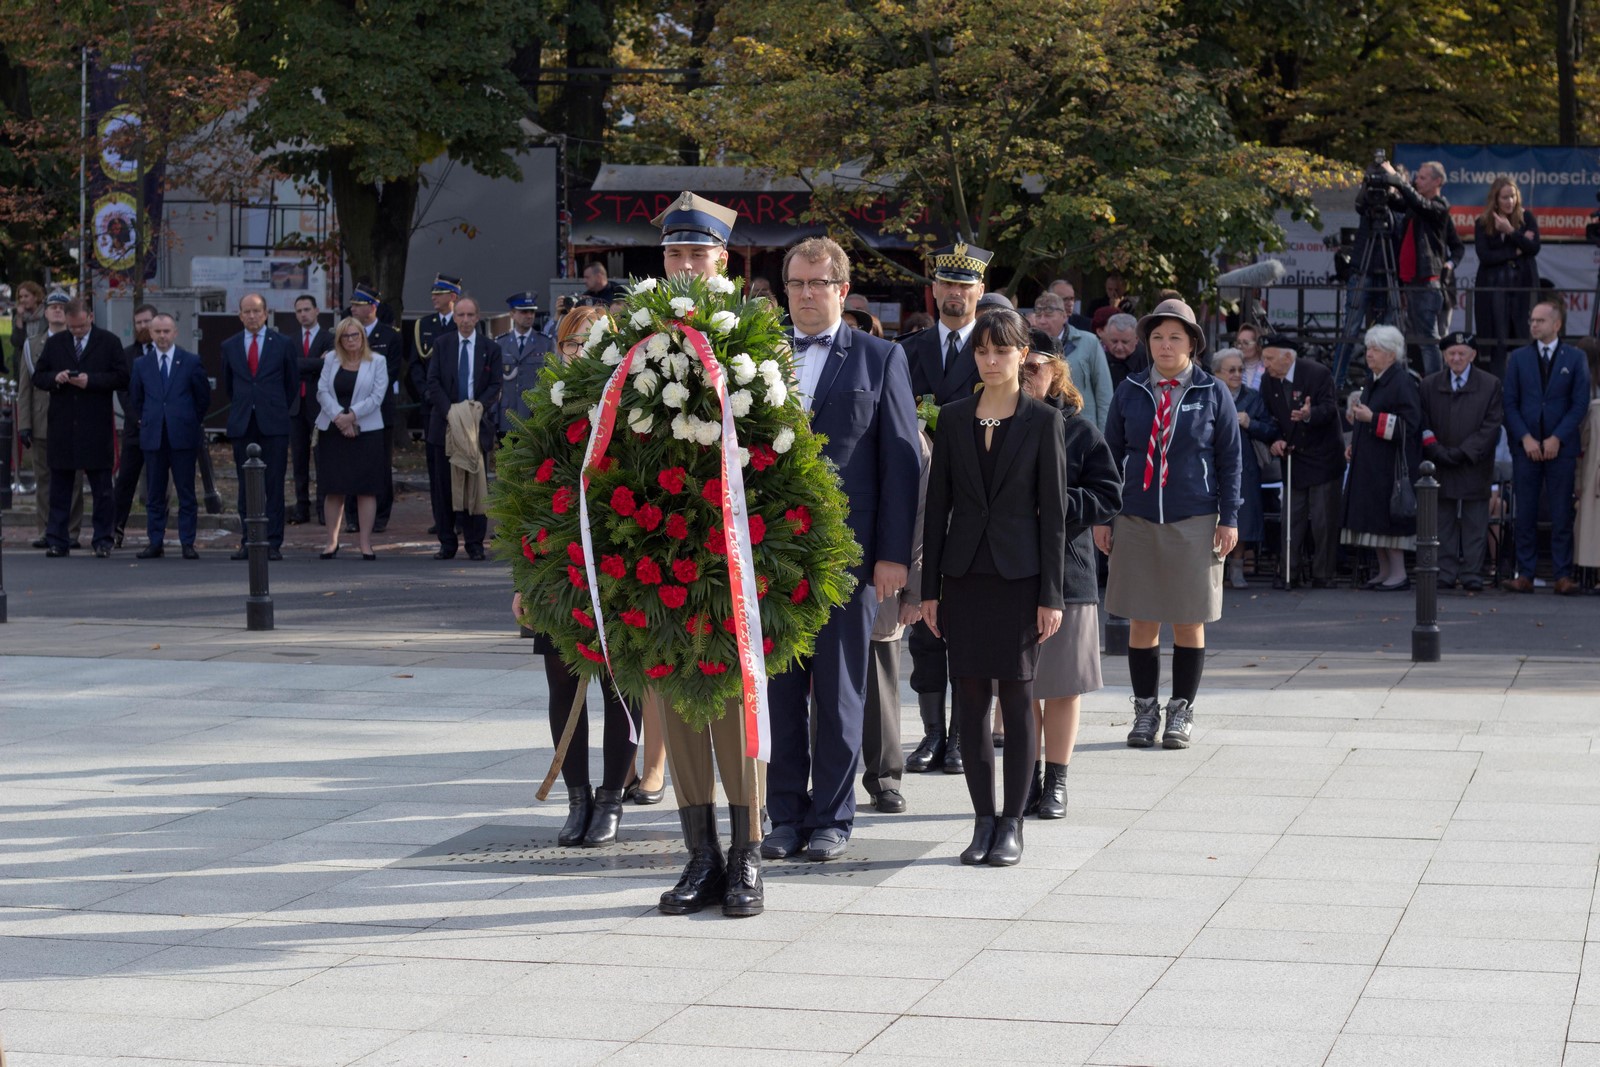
(262, 378)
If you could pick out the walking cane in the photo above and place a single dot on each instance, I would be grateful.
(1288, 496)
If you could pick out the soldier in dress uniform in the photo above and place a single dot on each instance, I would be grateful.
(523, 350)
(444, 293)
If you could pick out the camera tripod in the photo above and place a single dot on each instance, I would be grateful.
(1380, 248)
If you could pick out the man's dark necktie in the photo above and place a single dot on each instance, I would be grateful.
(165, 368)
(951, 347)
(77, 356)
(522, 339)
(463, 370)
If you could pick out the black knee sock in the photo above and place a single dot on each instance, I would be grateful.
(1187, 666)
(977, 747)
(617, 762)
(563, 686)
(1022, 743)
(1144, 671)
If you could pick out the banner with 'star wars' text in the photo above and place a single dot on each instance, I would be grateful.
(1559, 185)
(117, 175)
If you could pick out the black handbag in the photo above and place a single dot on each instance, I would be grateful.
(1403, 497)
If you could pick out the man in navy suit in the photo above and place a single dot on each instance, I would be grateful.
(858, 390)
(262, 378)
(1546, 399)
(465, 366)
(169, 394)
(313, 342)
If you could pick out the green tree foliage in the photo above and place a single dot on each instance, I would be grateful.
(1056, 132)
(364, 94)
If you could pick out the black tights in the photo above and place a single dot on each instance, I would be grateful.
(617, 761)
(977, 746)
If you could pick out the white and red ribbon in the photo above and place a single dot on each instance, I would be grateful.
(736, 534)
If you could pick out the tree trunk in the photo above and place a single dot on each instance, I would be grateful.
(375, 225)
(590, 25)
(1567, 43)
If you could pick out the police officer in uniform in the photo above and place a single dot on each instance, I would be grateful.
(446, 290)
(694, 240)
(523, 350)
(385, 341)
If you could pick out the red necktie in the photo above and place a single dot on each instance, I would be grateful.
(305, 345)
(1160, 433)
(1408, 253)
(253, 360)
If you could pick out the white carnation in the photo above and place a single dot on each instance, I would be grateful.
(644, 285)
(724, 321)
(783, 441)
(744, 456)
(598, 331)
(681, 428)
(682, 306)
(656, 346)
(557, 392)
(639, 420)
(718, 284)
(741, 401)
(677, 365)
(641, 318)
(611, 356)
(674, 395)
(770, 370)
(777, 393)
(744, 368)
(646, 382)
(707, 433)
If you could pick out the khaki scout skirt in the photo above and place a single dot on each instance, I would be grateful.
(1165, 572)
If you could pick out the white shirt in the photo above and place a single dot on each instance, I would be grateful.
(367, 329)
(811, 360)
(961, 338)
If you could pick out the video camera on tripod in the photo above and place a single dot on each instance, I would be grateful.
(1376, 183)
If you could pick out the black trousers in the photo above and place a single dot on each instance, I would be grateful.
(473, 527)
(300, 427)
(129, 482)
(63, 483)
(275, 454)
(1315, 511)
(883, 761)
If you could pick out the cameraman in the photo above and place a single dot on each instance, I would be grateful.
(1423, 258)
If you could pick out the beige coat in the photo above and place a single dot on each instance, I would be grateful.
(33, 405)
(1586, 547)
(469, 483)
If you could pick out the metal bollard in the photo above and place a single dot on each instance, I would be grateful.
(258, 605)
(1425, 634)
(8, 399)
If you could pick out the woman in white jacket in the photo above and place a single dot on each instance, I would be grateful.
(350, 457)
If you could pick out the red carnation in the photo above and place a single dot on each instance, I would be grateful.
(730, 625)
(584, 618)
(698, 624)
(575, 552)
(758, 529)
(713, 668)
(542, 535)
(578, 431)
(762, 457)
(562, 500)
(716, 543)
(673, 596)
(672, 480)
(647, 571)
(684, 570)
(761, 586)
(615, 566)
(677, 527)
(660, 670)
(800, 592)
(546, 471)
(713, 492)
(602, 464)
(767, 645)
(622, 501)
(801, 517)
(648, 516)
(590, 654)
(527, 549)
(577, 578)
(633, 617)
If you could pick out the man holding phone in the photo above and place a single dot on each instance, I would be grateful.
(82, 368)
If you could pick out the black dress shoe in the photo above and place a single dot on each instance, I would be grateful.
(829, 843)
(40, 542)
(433, 531)
(890, 802)
(1322, 583)
(1007, 848)
(705, 877)
(445, 554)
(331, 554)
(1053, 805)
(116, 538)
(275, 554)
(75, 543)
(190, 553)
(56, 553)
(380, 525)
(102, 551)
(370, 557)
(476, 555)
(641, 795)
(149, 552)
(242, 553)
(982, 839)
(1472, 585)
(1399, 587)
(605, 818)
(782, 842)
(927, 755)
(579, 803)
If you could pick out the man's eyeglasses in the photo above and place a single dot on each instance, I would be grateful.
(819, 286)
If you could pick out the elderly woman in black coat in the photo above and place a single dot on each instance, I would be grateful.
(1258, 428)
(1386, 444)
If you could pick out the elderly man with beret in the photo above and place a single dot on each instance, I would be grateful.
(1462, 412)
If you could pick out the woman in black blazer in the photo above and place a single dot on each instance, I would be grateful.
(993, 553)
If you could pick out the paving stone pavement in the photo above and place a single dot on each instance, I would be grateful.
(205, 837)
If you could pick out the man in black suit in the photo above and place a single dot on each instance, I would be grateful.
(1300, 395)
(312, 342)
(385, 341)
(465, 366)
(130, 464)
(82, 367)
(941, 358)
(420, 341)
(262, 378)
